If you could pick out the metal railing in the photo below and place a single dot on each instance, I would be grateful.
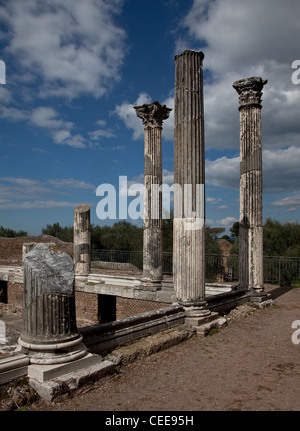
(277, 269)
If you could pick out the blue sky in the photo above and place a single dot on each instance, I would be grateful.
(76, 68)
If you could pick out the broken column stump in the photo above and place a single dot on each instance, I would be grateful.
(82, 240)
(50, 333)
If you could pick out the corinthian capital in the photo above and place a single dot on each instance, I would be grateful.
(250, 91)
(153, 113)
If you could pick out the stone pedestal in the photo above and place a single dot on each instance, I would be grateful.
(152, 116)
(251, 224)
(82, 240)
(189, 178)
(50, 334)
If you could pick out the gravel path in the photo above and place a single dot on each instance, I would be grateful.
(251, 364)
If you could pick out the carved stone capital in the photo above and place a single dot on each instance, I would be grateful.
(153, 113)
(250, 91)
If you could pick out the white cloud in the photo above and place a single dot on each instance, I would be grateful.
(242, 39)
(101, 133)
(28, 193)
(213, 200)
(70, 47)
(47, 118)
(70, 183)
(280, 170)
(126, 112)
(37, 204)
(289, 202)
(227, 221)
(223, 172)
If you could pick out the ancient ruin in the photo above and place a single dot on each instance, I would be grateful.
(60, 288)
(251, 221)
(152, 116)
(50, 333)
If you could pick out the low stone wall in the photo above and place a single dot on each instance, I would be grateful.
(103, 338)
(11, 248)
(113, 265)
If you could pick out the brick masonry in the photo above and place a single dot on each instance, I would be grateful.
(87, 304)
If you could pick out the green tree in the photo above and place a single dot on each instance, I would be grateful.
(216, 231)
(63, 233)
(235, 230)
(122, 236)
(10, 233)
(168, 234)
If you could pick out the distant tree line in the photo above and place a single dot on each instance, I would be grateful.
(126, 236)
(10, 233)
(280, 239)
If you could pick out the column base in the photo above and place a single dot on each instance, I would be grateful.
(148, 284)
(260, 298)
(54, 352)
(195, 311)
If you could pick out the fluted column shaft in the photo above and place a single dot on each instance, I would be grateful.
(189, 175)
(82, 240)
(152, 115)
(251, 223)
(50, 333)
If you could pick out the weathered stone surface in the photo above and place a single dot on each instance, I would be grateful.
(251, 224)
(152, 116)
(189, 169)
(50, 334)
(82, 240)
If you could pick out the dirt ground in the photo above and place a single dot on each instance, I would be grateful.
(251, 364)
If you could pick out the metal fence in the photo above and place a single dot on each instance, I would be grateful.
(277, 269)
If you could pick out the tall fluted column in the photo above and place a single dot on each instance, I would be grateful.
(82, 240)
(251, 223)
(189, 179)
(152, 116)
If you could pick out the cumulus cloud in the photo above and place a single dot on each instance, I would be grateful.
(227, 221)
(290, 202)
(60, 130)
(242, 39)
(60, 45)
(280, 170)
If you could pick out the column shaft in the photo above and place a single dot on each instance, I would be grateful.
(152, 115)
(82, 240)
(189, 175)
(152, 225)
(251, 223)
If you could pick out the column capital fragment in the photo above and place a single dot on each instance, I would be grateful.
(250, 91)
(153, 113)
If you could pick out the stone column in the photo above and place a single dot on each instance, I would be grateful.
(251, 224)
(189, 179)
(50, 334)
(152, 116)
(82, 240)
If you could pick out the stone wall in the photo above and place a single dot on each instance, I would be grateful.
(127, 307)
(87, 304)
(11, 248)
(86, 308)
